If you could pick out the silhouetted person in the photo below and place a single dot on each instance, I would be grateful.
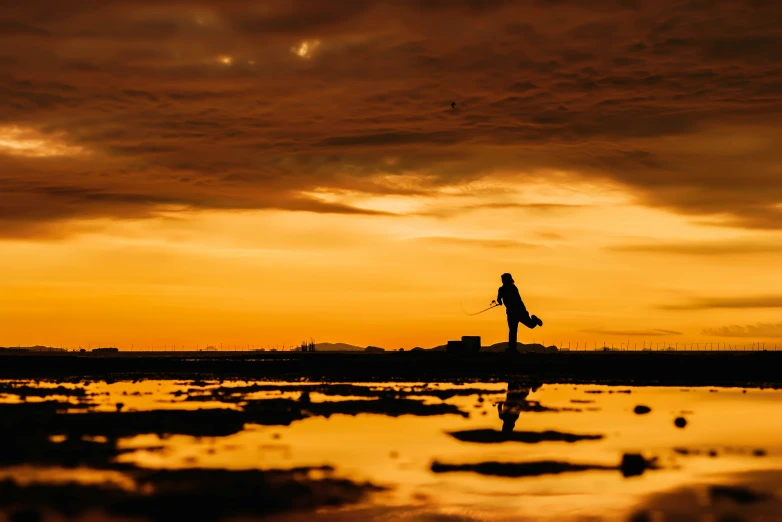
(515, 403)
(453, 105)
(508, 295)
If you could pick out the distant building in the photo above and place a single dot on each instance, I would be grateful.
(105, 350)
(471, 343)
(468, 344)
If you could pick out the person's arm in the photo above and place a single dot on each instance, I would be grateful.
(499, 297)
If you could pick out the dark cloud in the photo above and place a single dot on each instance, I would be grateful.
(673, 100)
(771, 301)
(12, 27)
(654, 332)
(756, 331)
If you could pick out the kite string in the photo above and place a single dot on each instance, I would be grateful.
(494, 304)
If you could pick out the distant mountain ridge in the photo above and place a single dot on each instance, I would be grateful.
(498, 347)
(338, 347)
(37, 348)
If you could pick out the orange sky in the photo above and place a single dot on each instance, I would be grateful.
(219, 172)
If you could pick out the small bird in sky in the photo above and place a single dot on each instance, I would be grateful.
(453, 105)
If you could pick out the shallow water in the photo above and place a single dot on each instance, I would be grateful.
(390, 451)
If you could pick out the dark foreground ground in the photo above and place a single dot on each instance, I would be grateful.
(621, 368)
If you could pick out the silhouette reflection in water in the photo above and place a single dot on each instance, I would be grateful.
(515, 403)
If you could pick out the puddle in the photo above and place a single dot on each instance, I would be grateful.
(381, 451)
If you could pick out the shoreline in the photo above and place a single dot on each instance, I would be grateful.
(705, 368)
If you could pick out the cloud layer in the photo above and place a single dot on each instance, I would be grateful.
(138, 106)
(755, 331)
(653, 332)
(708, 303)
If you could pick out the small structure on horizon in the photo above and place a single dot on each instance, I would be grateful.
(471, 343)
(105, 350)
(468, 344)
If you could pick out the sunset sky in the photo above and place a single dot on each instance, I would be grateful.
(205, 172)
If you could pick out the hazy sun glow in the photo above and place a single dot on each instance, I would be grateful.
(306, 48)
(20, 141)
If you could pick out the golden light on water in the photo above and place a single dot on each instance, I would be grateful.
(730, 439)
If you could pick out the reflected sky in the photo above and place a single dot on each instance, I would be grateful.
(731, 435)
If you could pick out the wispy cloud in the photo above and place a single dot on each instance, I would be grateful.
(704, 248)
(475, 242)
(772, 301)
(758, 331)
(653, 332)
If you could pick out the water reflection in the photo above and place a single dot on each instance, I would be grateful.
(408, 450)
(515, 403)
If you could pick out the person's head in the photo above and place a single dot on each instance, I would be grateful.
(507, 279)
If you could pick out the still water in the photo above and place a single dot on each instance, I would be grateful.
(388, 451)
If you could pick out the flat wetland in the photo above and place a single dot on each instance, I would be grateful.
(293, 437)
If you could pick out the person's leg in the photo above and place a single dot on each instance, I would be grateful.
(513, 329)
(526, 320)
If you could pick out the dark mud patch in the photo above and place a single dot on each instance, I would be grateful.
(737, 494)
(754, 452)
(237, 394)
(749, 496)
(632, 465)
(192, 494)
(488, 436)
(517, 469)
(285, 411)
(26, 429)
(24, 390)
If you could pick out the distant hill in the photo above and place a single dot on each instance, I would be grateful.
(32, 349)
(338, 347)
(500, 347)
(521, 347)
